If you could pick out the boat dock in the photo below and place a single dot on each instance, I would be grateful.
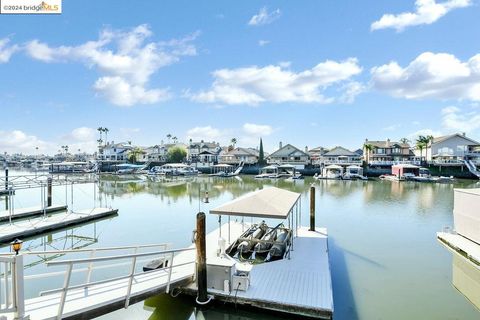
(30, 212)
(300, 285)
(27, 228)
(461, 244)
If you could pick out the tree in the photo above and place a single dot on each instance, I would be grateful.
(421, 143)
(404, 140)
(134, 154)
(175, 140)
(234, 142)
(368, 149)
(106, 134)
(261, 155)
(176, 154)
(100, 130)
(168, 137)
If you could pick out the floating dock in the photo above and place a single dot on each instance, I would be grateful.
(27, 228)
(22, 213)
(462, 245)
(299, 286)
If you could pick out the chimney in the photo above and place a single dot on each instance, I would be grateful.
(463, 134)
(306, 149)
(388, 142)
(280, 145)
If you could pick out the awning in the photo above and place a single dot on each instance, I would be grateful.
(266, 203)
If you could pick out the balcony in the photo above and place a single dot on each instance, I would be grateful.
(391, 163)
(339, 162)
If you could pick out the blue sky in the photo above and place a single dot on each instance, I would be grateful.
(310, 73)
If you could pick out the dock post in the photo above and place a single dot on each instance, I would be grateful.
(6, 178)
(201, 259)
(49, 192)
(312, 208)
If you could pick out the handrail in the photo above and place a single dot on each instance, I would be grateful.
(87, 250)
(99, 259)
(86, 285)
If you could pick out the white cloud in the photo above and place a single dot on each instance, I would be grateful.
(259, 130)
(426, 12)
(392, 127)
(124, 58)
(6, 51)
(274, 83)
(83, 134)
(262, 43)
(431, 75)
(17, 141)
(122, 93)
(350, 91)
(454, 119)
(264, 17)
(207, 133)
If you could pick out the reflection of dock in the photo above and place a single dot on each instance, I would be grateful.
(466, 278)
(30, 212)
(28, 228)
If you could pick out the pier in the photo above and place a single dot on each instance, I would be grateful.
(30, 212)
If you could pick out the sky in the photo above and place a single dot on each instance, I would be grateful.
(309, 73)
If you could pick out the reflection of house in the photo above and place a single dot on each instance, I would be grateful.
(114, 151)
(237, 155)
(452, 149)
(289, 154)
(387, 152)
(341, 156)
(203, 152)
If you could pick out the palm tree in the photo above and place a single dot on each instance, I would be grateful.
(175, 139)
(134, 154)
(168, 137)
(99, 142)
(421, 144)
(106, 134)
(404, 140)
(100, 130)
(368, 148)
(234, 142)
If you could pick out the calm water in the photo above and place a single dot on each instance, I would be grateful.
(386, 262)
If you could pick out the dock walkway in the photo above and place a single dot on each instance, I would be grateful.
(26, 228)
(300, 285)
(22, 213)
(462, 245)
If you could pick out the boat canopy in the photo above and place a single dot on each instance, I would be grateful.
(269, 167)
(270, 202)
(222, 165)
(354, 166)
(175, 165)
(333, 166)
(405, 165)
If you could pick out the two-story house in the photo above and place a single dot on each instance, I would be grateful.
(114, 151)
(451, 149)
(387, 153)
(203, 153)
(289, 154)
(340, 156)
(238, 155)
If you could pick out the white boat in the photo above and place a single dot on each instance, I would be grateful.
(354, 172)
(278, 172)
(174, 169)
(331, 172)
(128, 168)
(268, 172)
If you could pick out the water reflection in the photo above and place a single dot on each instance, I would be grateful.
(466, 278)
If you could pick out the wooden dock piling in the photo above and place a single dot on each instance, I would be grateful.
(49, 192)
(312, 208)
(201, 259)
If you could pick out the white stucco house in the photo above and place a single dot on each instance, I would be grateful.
(451, 149)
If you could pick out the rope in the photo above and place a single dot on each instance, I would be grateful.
(210, 297)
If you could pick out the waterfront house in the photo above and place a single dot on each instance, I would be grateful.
(387, 153)
(340, 156)
(159, 153)
(316, 153)
(238, 155)
(289, 154)
(451, 150)
(114, 151)
(203, 153)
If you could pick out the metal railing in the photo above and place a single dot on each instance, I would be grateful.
(12, 291)
(388, 163)
(133, 262)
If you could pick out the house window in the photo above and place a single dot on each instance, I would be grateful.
(380, 151)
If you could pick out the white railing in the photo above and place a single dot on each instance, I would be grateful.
(454, 162)
(278, 161)
(389, 163)
(357, 162)
(168, 266)
(11, 286)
